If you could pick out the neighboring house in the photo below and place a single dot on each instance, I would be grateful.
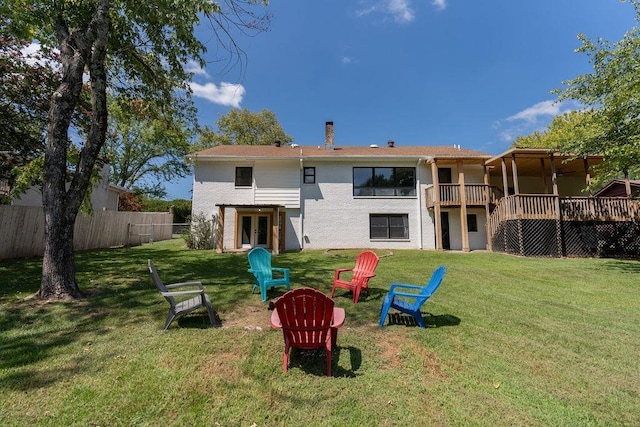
(389, 197)
(620, 188)
(104, 196)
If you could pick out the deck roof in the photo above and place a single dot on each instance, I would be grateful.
(529, 162)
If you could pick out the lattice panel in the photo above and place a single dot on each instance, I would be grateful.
(618, 240)
(580, 238)
(550, 238)
(540, 238)
(497, 242)
(507, 239)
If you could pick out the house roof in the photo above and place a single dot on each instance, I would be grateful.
(337, 152)
(528, 160)
(609, 188)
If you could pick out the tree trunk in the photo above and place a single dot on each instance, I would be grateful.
(79, 48)
(58, 264)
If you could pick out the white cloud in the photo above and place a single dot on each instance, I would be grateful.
(535, 112)
(439, 4)
(400, 10)
(196, 69)
(227, 94)
(30, 49)
(32, 55)
(534, 118)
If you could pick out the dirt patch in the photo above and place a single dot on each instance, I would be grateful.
(397, 347)
(391, 349)
(256, 315)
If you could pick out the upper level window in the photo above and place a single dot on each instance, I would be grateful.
(309, 175)
(384, 181)
(244, 176)
(444, 176)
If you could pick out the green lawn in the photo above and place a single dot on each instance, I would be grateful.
(513, 341)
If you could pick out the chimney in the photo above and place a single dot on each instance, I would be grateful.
(328, 135)
(390, 143)
(276, 143)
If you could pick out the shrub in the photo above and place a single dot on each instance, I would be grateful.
(181, 208)
(199, 233)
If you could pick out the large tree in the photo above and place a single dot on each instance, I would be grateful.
(611, 96)
(130, 47)
(146, 144)
(245, 127)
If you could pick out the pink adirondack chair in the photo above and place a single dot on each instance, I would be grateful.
(308, 320)
(366, 263)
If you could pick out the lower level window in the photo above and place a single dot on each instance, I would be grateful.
(383, 226)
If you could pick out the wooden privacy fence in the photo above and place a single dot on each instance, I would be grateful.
(22, 230)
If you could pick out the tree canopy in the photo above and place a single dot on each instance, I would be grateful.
(244, 127)
(146, 144)
(26, 82)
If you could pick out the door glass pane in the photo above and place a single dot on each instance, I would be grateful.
(246, 230)
(263, 230)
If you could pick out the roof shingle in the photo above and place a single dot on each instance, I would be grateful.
(318, 152)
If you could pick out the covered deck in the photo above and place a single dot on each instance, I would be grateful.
(536, 196)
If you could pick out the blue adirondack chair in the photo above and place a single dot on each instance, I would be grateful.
(410, 302)
(260, 263)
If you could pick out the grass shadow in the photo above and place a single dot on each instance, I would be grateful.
(313, 362)
(196, 320)
(430, 320)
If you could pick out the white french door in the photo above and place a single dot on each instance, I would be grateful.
(253, 230)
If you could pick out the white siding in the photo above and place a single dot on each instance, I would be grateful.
(277, 183)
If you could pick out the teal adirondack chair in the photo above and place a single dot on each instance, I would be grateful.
(410, 302)
(260, 263)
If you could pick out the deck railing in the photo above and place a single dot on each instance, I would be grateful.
(475, 194)
(543, 206)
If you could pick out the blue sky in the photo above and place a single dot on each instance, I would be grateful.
(419, 72)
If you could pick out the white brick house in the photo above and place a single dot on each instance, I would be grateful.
(523, 201)
(320, 197)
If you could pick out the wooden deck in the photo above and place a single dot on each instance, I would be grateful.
(545, 206)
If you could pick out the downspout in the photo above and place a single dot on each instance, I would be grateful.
(420, 246)
(302, 204)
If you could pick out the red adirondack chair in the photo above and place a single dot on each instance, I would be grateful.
(308, 320)
(366, 263)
